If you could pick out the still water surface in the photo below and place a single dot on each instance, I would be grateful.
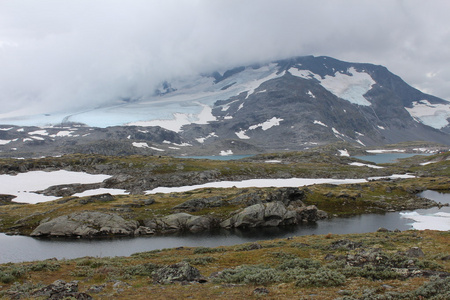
(383, 158)
(21, 248)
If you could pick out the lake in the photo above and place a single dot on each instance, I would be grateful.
(22, 248)
(383, 158)
(219, 157)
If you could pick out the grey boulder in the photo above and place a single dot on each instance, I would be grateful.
(86, 224)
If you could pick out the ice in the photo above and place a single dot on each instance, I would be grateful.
(434, 115)
(22, 185)
(4, 142)
(436, 221)
(175, 124)
(358, 164)
(190, 103)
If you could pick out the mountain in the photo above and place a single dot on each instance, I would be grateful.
(282, 105)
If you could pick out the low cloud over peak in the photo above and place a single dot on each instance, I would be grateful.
(67, 54)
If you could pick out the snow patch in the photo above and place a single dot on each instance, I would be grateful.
(436, 221)
(273, 161)
(254, 84)
(320, 123)
(378, 151)
(343, 152)
(267, 124)
(358, 141)
(38, 132)
(290, 182)
(6, 129)
(226, 152)
(311, 94)
(202, 140)
(350, 88)
(433, 115)
(140, 145)
(381, 127)
(242, 135)
(101, 191)
(305, 74)
(22, 184)
(157, 149)
(64, 133)
(4, 142)
(358, 164)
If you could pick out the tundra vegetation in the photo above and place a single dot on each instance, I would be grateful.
(380, 265)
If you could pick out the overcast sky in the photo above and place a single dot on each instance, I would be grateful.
(77, 52)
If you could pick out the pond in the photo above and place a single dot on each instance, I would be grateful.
(21, 248)
(383, 158)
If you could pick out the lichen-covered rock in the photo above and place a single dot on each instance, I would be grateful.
(181, 222)
(310, 214)
(61, 290)
(86, 224)
(182, 271)
(198, 204)
(262, 215)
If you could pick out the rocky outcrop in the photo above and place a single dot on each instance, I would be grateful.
(181, 222)
(87, 224)
(287, 196)
(6, 199)
(61, 290)
(272, 214)
(200, 203)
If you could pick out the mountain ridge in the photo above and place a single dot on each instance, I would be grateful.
(289, 104)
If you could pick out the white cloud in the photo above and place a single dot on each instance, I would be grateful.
(62, 54)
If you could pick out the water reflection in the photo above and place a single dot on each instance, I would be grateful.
(20, 248)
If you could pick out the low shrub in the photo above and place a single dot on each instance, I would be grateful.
(255, 274)
(202, 250)
(200, 260)
(142, 270)
(45, 266)
(322, 277)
